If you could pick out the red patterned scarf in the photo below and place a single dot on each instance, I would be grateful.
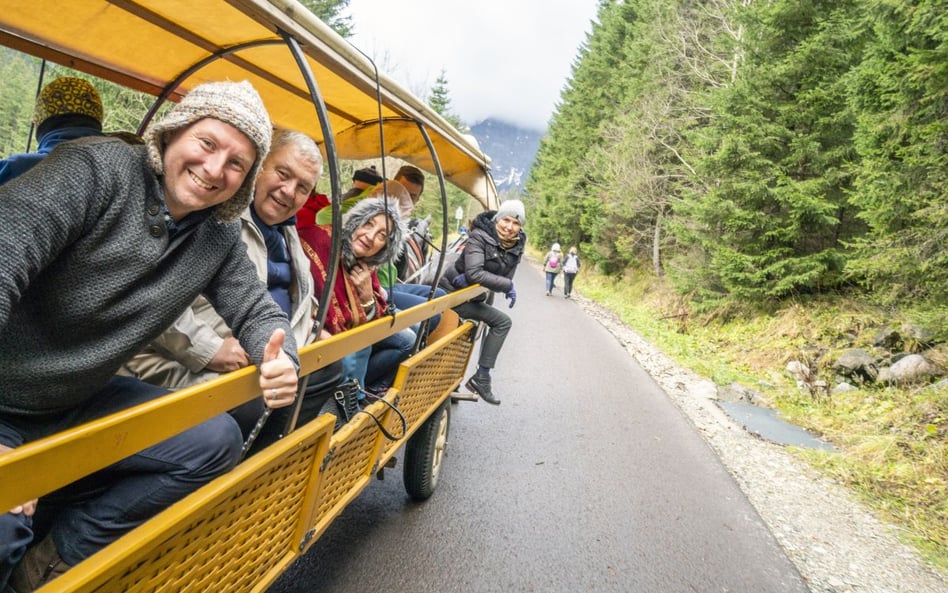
(345, 311)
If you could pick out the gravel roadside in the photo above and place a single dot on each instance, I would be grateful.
(835, 542)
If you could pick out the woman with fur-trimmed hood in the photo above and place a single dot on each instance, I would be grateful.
(373, 234)
(369, 240)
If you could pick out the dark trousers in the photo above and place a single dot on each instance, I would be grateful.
(387, 354)
(498, 323)
(568, 283)
(91, 513)
(16, 533)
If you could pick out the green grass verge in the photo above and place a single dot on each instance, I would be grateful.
(892, 443)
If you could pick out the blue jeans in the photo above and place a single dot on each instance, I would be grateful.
(406, 296)
(354, 365)
(387, 354)
(550, 279)
(91, 513)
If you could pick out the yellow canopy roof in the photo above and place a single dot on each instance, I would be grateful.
(147, 44)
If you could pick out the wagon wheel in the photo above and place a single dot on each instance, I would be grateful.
(424, 454)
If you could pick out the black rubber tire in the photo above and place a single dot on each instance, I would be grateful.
(424, 453)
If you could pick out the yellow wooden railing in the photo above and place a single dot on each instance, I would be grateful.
(241, 531)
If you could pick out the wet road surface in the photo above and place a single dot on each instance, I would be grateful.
(586, 478)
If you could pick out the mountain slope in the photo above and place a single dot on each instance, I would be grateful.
(511, 149)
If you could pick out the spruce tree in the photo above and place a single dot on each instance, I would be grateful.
(900, 96)
(330, 12)
(561, 189)
(779, 156)
(440, 100)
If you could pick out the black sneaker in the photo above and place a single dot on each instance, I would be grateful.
(480, 384)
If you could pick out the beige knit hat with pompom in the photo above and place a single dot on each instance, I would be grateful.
(234, 103)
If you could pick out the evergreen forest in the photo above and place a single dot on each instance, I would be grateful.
(753, 151)
(760, 184)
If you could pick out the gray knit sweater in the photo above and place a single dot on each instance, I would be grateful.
(87, 276)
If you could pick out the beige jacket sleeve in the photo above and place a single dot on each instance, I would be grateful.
(194, 338)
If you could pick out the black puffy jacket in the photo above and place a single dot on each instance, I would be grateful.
(483, 260)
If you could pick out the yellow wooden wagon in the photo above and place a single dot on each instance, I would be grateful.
(241, 531)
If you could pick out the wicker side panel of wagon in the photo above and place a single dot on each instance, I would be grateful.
(236, 534)
(426, 379)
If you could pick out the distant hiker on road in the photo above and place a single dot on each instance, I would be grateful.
(570, 269)
(552, 265)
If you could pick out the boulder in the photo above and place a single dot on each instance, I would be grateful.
(798, 370)
(917, 338)
(844, 387)
(908, 369)
(857, 364)
(888, 338)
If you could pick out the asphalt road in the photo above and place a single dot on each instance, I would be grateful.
(586, 478)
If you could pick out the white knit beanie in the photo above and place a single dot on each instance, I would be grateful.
(513, 209)
(234, 103)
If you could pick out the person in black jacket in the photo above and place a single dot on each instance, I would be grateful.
(493, 250)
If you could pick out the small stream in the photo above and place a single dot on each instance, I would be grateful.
(766, 423)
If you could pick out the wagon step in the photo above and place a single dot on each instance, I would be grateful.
(457, 396)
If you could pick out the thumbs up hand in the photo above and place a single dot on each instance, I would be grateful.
(278, 378)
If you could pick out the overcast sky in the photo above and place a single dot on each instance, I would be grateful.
(506, 59)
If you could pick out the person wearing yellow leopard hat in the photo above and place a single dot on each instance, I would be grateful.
(105, 244)
(66, 109)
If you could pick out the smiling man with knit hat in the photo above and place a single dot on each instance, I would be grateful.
(105, 244)
(66, 109)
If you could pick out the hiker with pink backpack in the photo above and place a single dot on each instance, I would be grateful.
(552, 265)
